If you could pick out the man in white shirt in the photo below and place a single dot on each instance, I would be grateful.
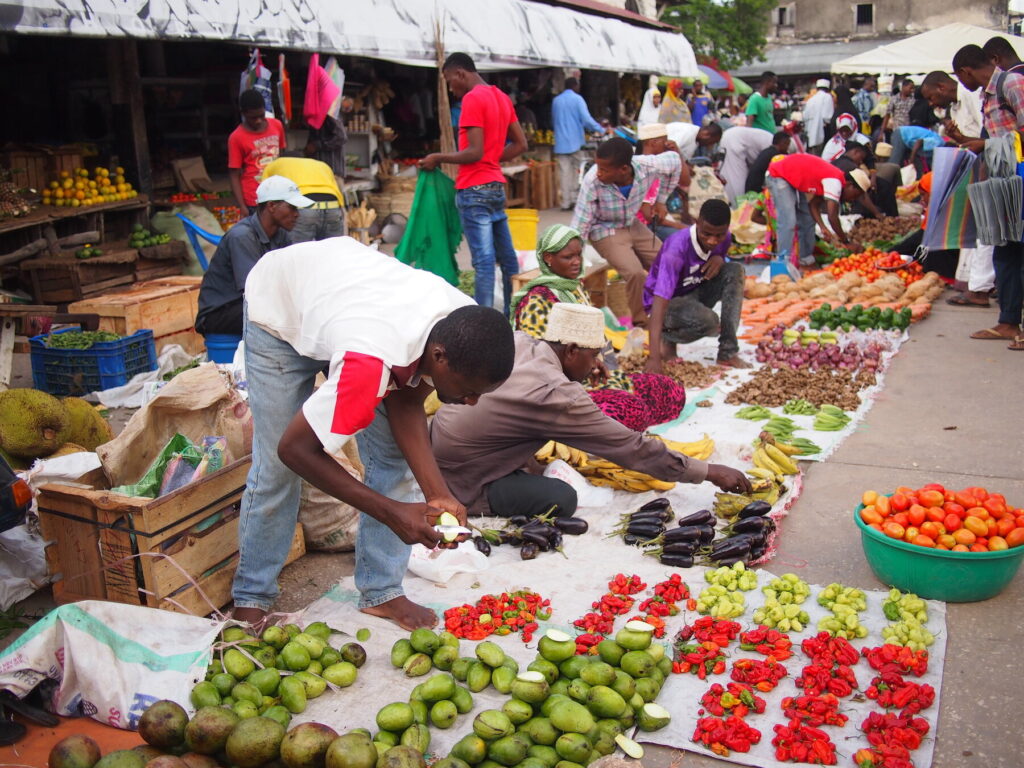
(817, 112)
(963, 106)
(388, 335)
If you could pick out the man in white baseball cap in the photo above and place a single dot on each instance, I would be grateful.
(482, 451)
(278, 201)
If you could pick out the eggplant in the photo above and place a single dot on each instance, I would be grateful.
(509, 537)
(517, 521)
(481, 545)
(680, 548)
(755, 509)
(632, 539)
(574, 526)
(653, 517)
(737, 546)
(536, 537)
(677, 561)
(731, 561)
(681, 534)
(645, 529)
(661, 503)
(752, 525)
(756, 553)
(704, 517)
(707, 534)
(528, 551)
(534, 525)
(555, 539)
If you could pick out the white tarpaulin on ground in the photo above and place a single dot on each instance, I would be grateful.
(499, 34)
(922, 53)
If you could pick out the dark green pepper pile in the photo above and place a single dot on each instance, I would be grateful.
(857, 317)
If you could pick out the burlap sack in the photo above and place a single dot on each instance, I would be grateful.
(330, 525)
(704, 186)
(197, 403)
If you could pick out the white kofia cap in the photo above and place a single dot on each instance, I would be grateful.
(882, 149)
(861, 179)
(652, 131)
(575, 324)
(822, 83)
(279, 188)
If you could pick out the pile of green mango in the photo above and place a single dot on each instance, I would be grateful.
(235, 680)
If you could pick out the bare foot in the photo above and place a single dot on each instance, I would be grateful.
(254, 617)
(404, 612)
(734, 362)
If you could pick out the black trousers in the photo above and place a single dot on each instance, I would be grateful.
(224, 319)
(532, 495)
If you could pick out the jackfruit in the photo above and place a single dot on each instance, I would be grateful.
(13, 461)
(66, 449)
(32, 423)
(87, 427)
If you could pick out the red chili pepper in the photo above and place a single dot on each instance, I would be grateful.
(725, 735)
(763, 675)
(898, 659)
(802, 743)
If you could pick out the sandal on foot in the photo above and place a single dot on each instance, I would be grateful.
(962, 301)
(990, 334)
(1017, 345)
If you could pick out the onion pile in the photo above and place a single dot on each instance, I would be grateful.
(847, 355)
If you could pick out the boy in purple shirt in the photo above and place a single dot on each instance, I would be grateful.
(689, 277)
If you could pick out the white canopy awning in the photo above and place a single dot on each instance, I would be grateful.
(927, 52)
(498, 34)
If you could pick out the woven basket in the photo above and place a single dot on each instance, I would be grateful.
(398, 184)
(386, 203)
(618, 302)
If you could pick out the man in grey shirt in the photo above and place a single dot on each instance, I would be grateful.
(220, 295)
(481, 451)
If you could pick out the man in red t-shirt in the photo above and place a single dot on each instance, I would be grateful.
(489, 134)
(798, 184)
(252, 146)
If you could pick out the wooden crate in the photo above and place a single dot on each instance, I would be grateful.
(166, 306)
(543, 186)
(61, 279)
(28, 168)
(595, 281)
(94, 534)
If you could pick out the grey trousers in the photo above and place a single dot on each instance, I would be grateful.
(569, 177)
(532, 495)
(318, 224)
(690, 317)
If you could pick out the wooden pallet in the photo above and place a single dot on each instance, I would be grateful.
(188, 542)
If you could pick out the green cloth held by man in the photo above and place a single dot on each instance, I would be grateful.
(434, 231)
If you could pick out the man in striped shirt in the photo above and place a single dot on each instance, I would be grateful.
(606, 211)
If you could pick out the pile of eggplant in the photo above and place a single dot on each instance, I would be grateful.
(745, 539)
(531, 534)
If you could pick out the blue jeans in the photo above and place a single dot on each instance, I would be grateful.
(1008, 261)
(280, 381)
(793, 214)
(485, 224)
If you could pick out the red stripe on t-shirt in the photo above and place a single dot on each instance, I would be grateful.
(358, 393)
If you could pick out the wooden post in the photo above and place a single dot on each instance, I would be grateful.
(128, 109)
(444, 109)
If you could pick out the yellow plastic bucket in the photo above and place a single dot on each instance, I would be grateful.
(522, 223)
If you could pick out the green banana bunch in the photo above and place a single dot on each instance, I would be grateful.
(780, 427)
(830, 418)
(804, 446)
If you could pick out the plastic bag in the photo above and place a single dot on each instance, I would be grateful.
(636, 340)
(587, 495)
(440, 565)
(172, 468)
(257, 77)
(111, 660)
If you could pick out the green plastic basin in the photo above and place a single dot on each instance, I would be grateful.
(937, 574)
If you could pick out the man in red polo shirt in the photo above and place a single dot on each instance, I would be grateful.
(489, 134)
(798, 185)
(252, 146)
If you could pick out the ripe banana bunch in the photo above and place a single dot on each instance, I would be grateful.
(552, 450)
(769, 456)
(698, 449)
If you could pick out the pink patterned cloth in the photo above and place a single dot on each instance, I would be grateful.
(320, 93)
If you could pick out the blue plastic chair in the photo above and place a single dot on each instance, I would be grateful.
(194, 232)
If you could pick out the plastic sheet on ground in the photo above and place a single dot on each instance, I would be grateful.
(137, 391)
(571, 585)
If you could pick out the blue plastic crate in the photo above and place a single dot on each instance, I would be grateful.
(104, 365)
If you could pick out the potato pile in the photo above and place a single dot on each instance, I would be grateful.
(885, 229)
(849, 289)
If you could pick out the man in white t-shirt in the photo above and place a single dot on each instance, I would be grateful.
(388, 334)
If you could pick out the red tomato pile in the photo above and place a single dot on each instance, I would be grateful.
(499, 615)
(868, 265)
(971, 520)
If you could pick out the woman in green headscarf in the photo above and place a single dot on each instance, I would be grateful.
(560, 257)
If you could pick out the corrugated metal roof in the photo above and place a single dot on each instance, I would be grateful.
(806, 58)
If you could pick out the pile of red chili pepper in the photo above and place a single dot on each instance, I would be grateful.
(721, 631)
(825, 650)
(596, 625)
(735, 699)
(816, 679)
(725, 735)
(892, 737)
(762, 675)
(501, 614)
(897, 658)
(700, 659)
(667, 593)
(801, 743)
(891, 691)
(766, 641)
(814, 711)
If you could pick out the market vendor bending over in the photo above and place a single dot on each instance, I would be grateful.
(390, 334)
(482, 452)
(689, 277)
(278, 201)
(798, 185)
